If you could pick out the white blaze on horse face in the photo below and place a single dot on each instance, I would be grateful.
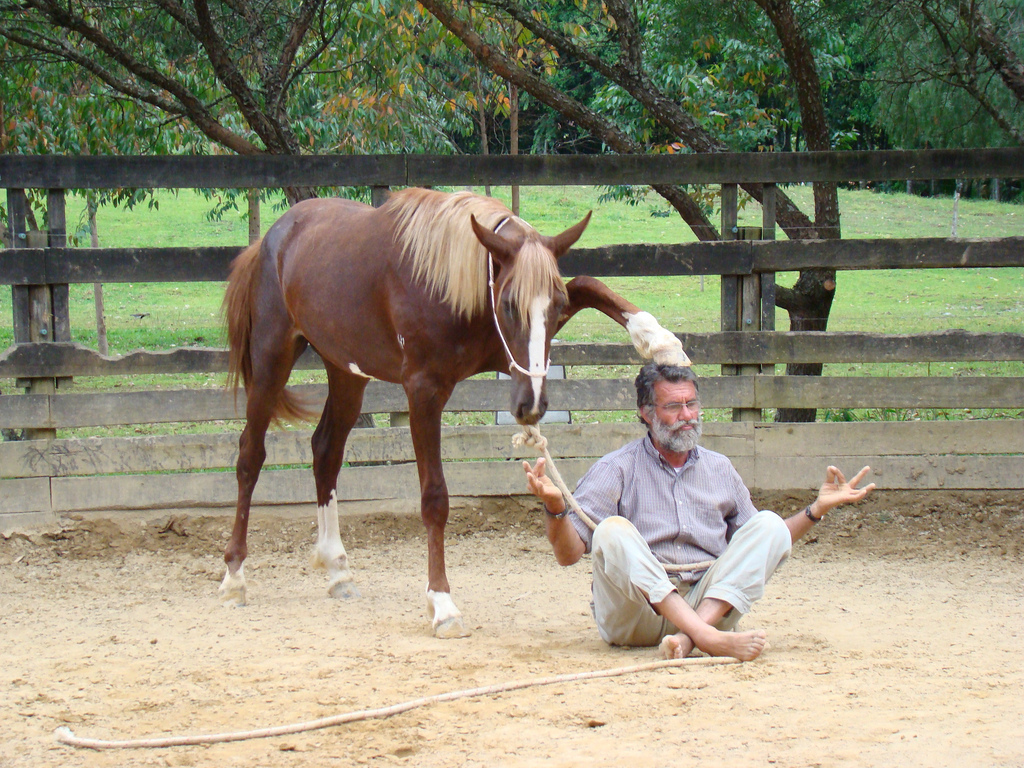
(653, 341)
(538, 341)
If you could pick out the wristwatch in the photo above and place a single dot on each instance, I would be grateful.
(559, 516)
(807, 511)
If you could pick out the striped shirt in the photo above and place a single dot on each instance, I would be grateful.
(685, 517)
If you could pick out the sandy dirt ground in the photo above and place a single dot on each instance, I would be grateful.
(896, 631)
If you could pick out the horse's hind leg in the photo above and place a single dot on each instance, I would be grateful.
(344, 398)
(271, 369)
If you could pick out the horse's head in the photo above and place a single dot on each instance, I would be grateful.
(527, 298)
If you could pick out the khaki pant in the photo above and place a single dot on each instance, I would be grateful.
(628, 578)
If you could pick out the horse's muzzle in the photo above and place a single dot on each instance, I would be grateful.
(526, 413)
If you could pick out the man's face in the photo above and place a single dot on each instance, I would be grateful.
(675, 418)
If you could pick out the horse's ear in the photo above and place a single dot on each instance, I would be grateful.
(563, 242)
(495, 244)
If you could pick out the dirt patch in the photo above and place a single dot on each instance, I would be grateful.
(915, 524)
(895, 632)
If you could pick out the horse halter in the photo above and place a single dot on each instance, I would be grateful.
(512, 364)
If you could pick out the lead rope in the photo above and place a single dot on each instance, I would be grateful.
(66, 735)
(532, 437)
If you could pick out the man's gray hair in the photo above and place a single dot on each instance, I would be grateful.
(652, 373)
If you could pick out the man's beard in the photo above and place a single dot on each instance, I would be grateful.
(675, 439)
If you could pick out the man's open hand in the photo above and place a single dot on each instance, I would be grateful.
(836, 490)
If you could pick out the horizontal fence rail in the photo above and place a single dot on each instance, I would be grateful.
(185, 172)
(35, 266)
(730, 348)
(172, 406)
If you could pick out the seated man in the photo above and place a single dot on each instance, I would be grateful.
(662, 500)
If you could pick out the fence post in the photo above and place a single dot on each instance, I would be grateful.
(41, 312)
(768, 278)
(743, 296)
(255, 230)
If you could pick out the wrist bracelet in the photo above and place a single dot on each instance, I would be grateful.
(553, 516)
(807, 511)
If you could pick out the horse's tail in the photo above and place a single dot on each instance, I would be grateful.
(239, 303)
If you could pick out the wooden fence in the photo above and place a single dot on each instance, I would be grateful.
(45, 477)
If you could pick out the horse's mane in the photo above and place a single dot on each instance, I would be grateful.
(434, 232)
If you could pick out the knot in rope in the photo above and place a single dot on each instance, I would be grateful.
(531, 438)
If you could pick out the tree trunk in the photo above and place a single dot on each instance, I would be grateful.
(482, 120)
(809, 301)
(513, 131)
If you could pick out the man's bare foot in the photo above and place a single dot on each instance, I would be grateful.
(676, 646)
(745, 646)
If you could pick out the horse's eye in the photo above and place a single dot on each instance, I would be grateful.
(507, 307)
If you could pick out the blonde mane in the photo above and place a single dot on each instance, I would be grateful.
(434, 232)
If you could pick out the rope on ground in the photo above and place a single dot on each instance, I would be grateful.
(532, 437)
(66, 736)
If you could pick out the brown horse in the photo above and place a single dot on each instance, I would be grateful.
(399, 293)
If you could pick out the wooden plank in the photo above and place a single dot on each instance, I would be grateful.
(281, 487)
(119, 265)
(24, 495)
(714, 168)
(24, 522)
(182, 264)
(908, 392)
(199, 171)
(643, 259)
(913, 253)
(215, 171)
(178, 453)
(500, 478)
(25, 411)
(889, 472)
(891, 438)
(31, 360)
(166, 406)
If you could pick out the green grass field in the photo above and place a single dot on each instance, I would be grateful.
(163, 316)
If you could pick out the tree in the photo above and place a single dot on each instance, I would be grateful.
(949, 72)
(609, 42)
(275, 78)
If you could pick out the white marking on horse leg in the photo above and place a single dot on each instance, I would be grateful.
(355, 369)
(232, 589)
(445, 618)
(330, 552)
(653, 341)
(538, 338)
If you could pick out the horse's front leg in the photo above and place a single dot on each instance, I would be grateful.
(650, 339)
(426, 401)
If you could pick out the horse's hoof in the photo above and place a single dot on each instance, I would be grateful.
(451, 628)
(233, 597)
(232, 589)
(343, 590)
